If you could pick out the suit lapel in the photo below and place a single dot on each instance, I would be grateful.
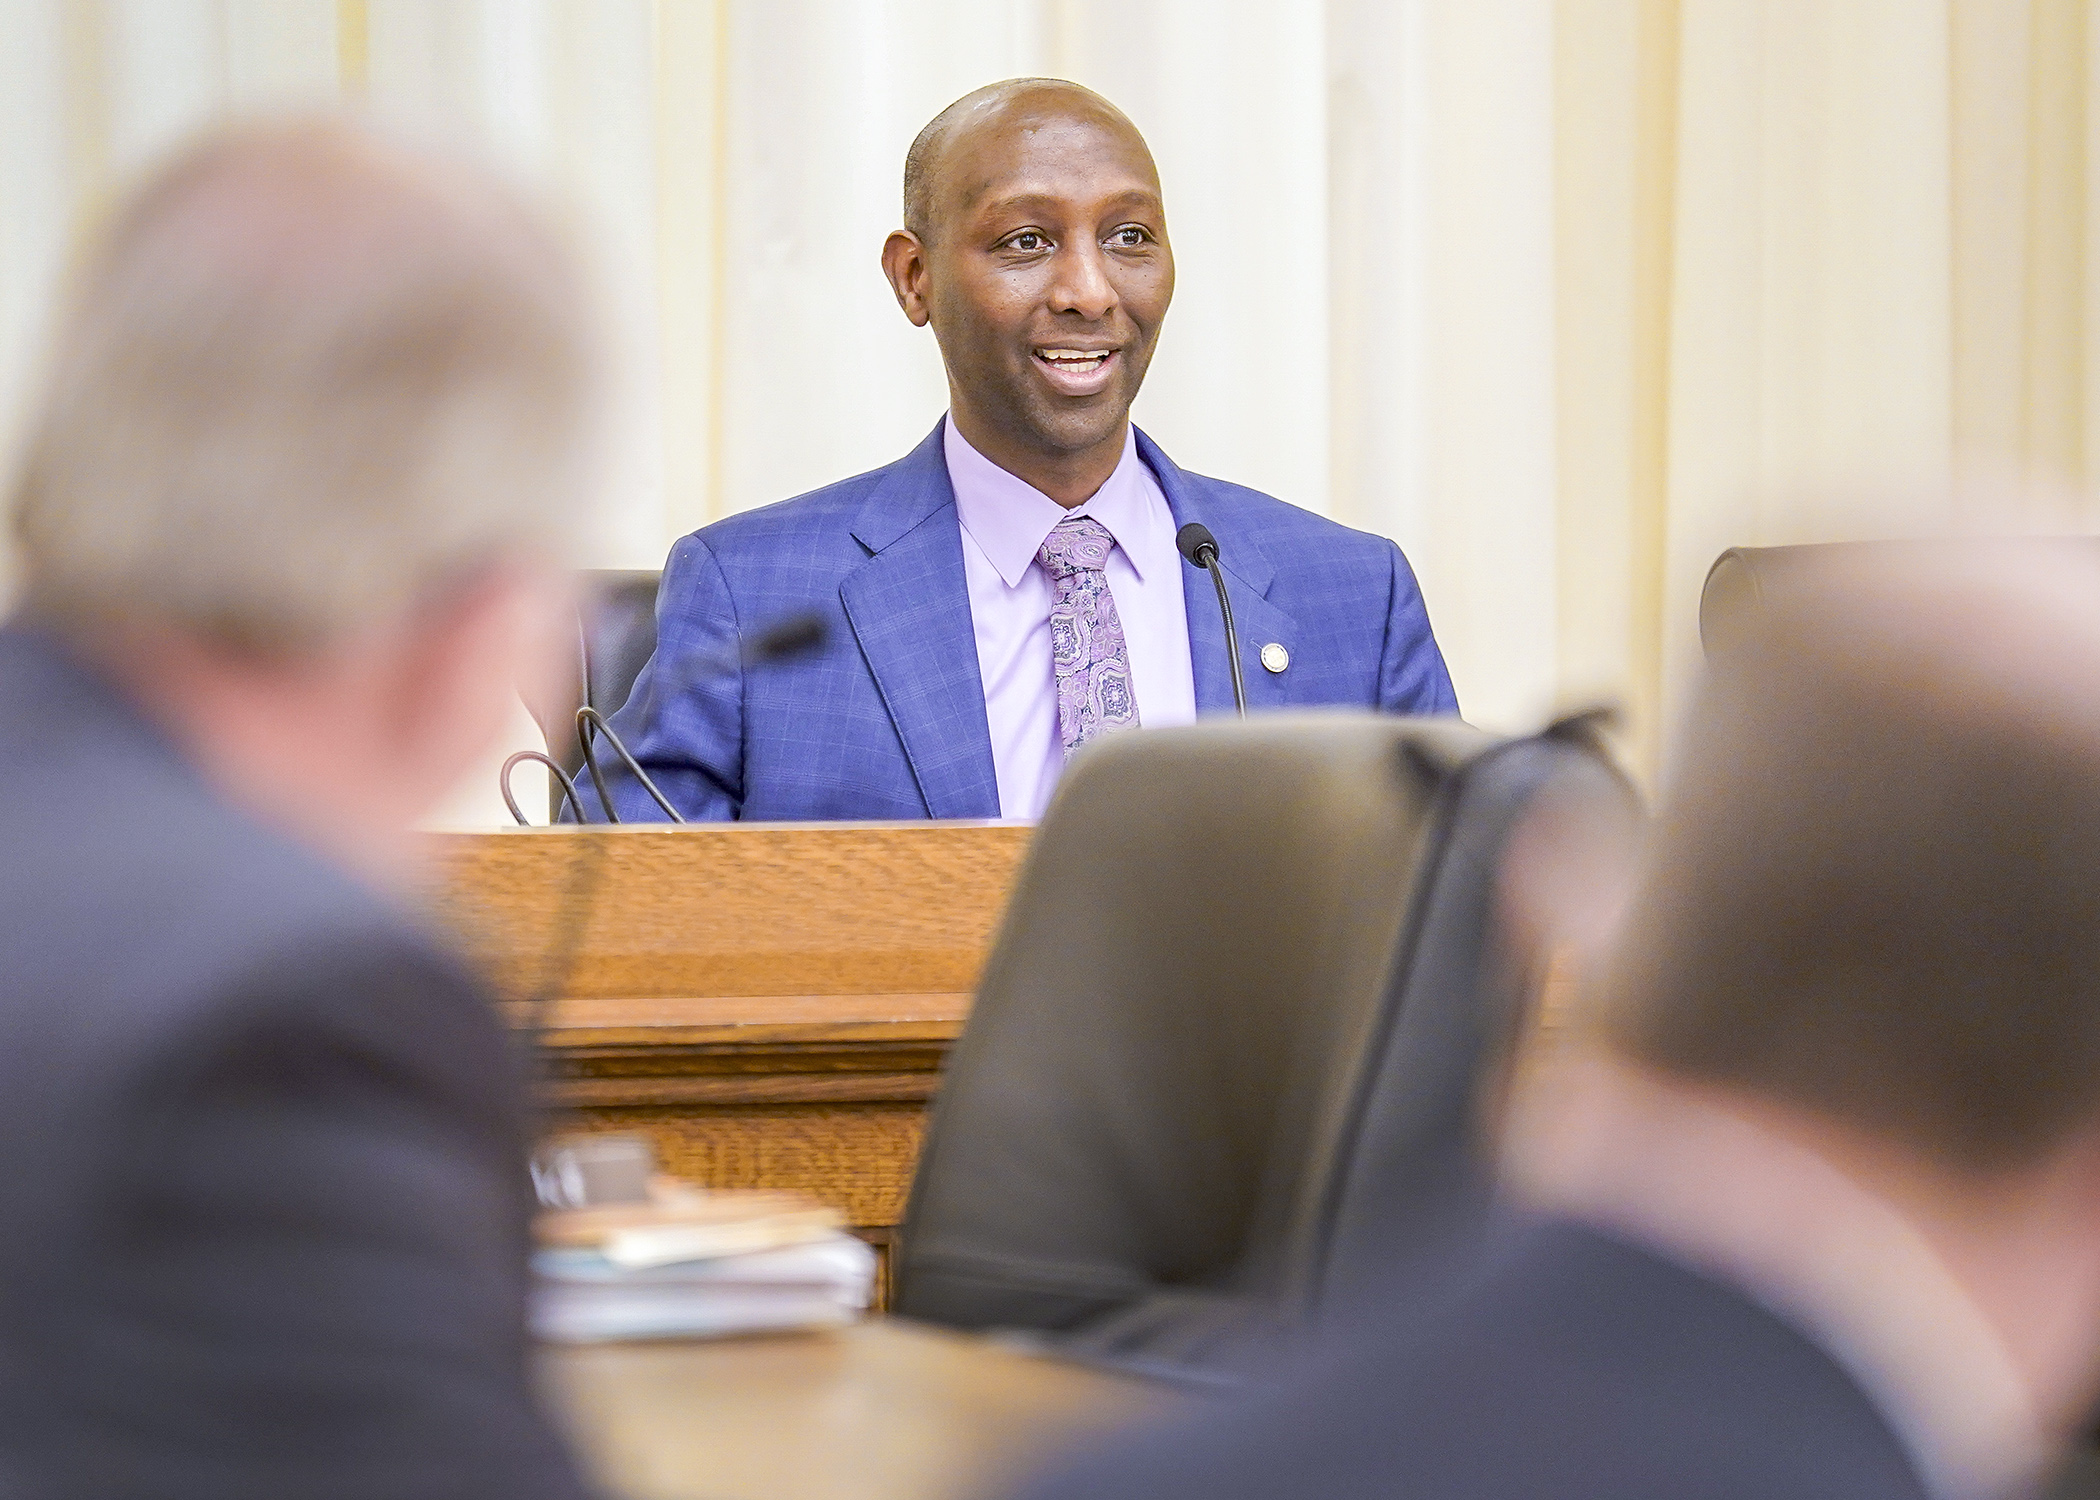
(1248, 575)
(910, 610)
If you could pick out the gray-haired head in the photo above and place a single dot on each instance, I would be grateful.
(308, 375)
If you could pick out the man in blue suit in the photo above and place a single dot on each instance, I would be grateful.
(1011, 589)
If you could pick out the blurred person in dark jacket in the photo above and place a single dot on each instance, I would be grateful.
(288, 517)
(1812, 1207)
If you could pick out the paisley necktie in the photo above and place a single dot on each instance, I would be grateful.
(1086, 636)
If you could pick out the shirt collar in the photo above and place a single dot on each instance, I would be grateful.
(1716, 1189)
(1009, 518)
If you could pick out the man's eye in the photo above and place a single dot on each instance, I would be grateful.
(1129, 237)
(1028, 239)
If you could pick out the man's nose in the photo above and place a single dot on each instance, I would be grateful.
(1081, 284)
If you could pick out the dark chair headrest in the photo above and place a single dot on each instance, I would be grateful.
(616, 634)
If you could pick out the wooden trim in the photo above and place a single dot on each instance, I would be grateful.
(749, 1021)
(873, 1088)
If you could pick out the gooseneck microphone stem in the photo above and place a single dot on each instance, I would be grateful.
(787, 639)
(1200, 549)
(1232, 634)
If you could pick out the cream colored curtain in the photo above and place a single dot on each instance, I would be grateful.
(1806, 249)
(1565, 295)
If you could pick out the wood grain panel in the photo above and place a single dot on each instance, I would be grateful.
(858, 1156)
(770, 1003)
(729, 909)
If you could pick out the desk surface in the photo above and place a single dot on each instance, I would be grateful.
(881, 1411)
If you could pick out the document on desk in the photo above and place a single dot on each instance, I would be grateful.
(581, 1296)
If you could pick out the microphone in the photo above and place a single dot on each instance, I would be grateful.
(1199, 549)
(779, 642)
(791, 637)
(788, 638)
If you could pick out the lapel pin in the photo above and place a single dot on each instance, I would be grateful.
(1274, 657)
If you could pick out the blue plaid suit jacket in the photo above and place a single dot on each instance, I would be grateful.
(887, 720)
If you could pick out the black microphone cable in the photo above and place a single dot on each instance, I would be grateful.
(568, 787)
(790, 638)
(589, 724)
(1200, 550)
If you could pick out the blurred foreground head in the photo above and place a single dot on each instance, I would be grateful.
(1851, 1026)
(318, 422)
(1875, 892)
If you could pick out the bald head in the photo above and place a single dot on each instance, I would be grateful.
(309, 376)
(1875, 892)
(1036, 248)
(995, 114)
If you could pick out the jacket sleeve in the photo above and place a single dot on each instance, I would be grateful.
(1412, 678)
(684, 721)
(308, 1275)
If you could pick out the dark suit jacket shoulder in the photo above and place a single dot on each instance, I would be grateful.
(267, 1197)
(1563, 1363)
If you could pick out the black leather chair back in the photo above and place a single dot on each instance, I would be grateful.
(615, 637)
(1464, 986)
(1231, 1029)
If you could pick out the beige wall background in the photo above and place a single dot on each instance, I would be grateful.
(1564, 295)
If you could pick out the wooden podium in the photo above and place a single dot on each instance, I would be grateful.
(771, 1003)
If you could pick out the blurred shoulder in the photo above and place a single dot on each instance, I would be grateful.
(1549, 1361)
(169, 919)
(137, 898)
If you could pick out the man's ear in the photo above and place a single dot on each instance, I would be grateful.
(904, 262)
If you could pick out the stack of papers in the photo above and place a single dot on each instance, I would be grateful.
(583, 1298)
(691, 1264)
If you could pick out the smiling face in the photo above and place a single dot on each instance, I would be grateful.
(1040, 257)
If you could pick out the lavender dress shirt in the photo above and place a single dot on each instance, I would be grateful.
(1004, 521)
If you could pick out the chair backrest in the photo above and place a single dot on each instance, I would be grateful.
(1151, 1140)
(1744, 580)
(1463, 989)
(1738, 583)
(615, 637)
